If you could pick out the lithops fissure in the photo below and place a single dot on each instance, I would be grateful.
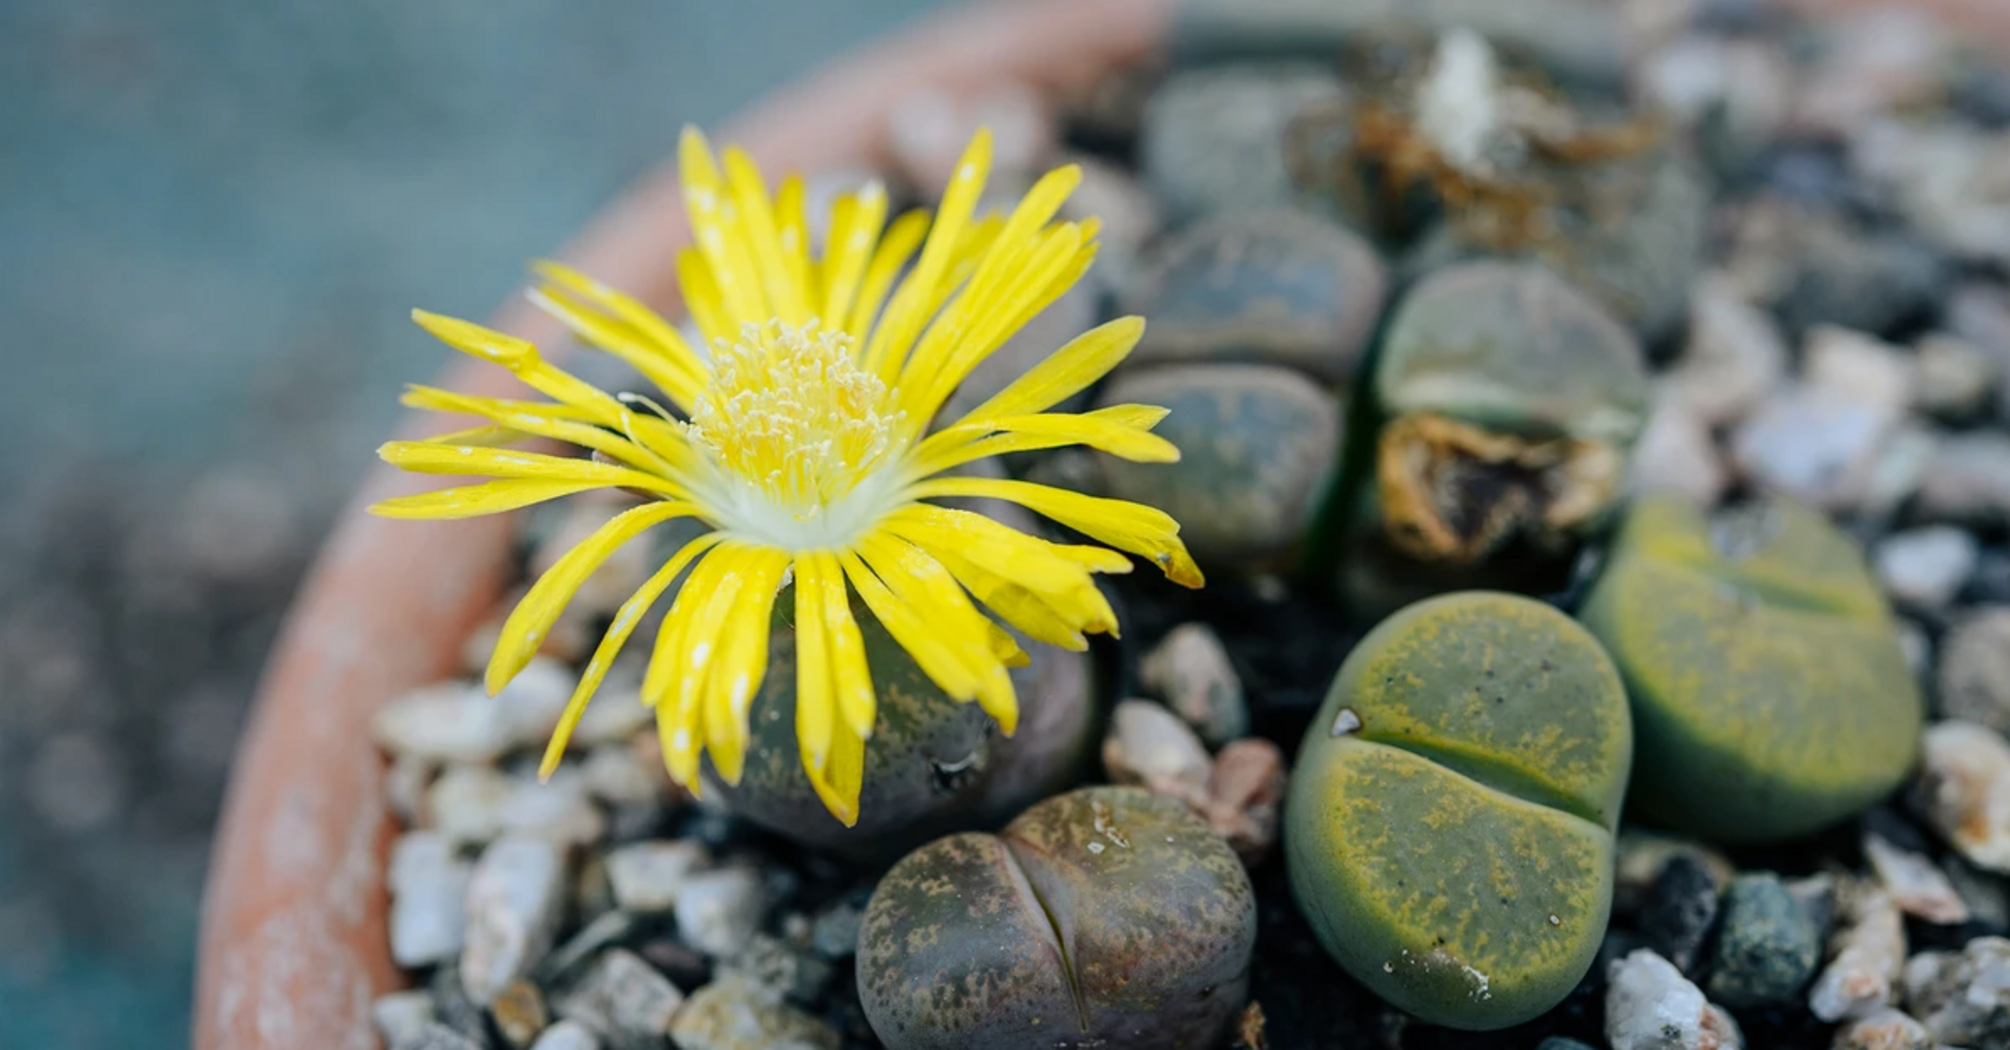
(1770, 694)
(1103, 917)
(1449, 827)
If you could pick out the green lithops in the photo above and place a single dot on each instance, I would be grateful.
(1103, 917)
(1449, 831)
(932, 765)
(1770, 694)
(1258, 444)
(1511, 402)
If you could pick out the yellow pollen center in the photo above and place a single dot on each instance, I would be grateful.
(792, 421)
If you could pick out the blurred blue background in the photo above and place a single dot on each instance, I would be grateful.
(216, 216)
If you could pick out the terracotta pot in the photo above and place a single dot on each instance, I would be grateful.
(293, 943)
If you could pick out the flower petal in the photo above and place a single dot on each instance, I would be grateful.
(422, 457)
(788, 301)
(1134, 527)
(718, 230)
(922, 585)
(625, 620)
(887, 351)
(470, 501)
(524, 631)
(742, 661)
(856, 220)
(1069, 371)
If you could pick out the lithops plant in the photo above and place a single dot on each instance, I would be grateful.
(1511, 401)
(1103, 917)
(932, 765)
(1253, 320)
(1770, 695)
(1449, 829)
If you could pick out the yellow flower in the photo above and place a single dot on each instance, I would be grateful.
(803, 439)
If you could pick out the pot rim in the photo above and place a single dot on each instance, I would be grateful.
(293, 946)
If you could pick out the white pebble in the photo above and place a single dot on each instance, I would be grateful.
(514, 903)
(428, 882)
(1649, 1005)
(647, 876)
(717, 911)
(1926, 567)
(1964, 791)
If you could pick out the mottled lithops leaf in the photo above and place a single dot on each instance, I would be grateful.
(1449, 826)
(1103, 917)
(1770, 695)
(1258, 444)
(1274, 287)
(932, 765)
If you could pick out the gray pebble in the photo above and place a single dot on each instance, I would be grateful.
(428, 881)
(1926, 567)
(618, 774)
(1845, 276)
(1815, 445)
(1734, 358)
(468, 804)
(405, 785)
(771, 962)
(514, 903)
(437, 1036)
(732, 1014)
(1557, 1042)
(623, 999)
(1974, 677)
(1191, 670)
(1677, 454)
(567, 1035)
(1884, 1030)
(1681, 909)
(606, 929)
(401, 1016)
(1642, 855)
(1967, 479)
(646, 876)
(1767, 949)
(1955, 379)
(1214, 140)
(835, 933)
(1649, 1005)
(558, 809)
(719, 910)
(1963, 999)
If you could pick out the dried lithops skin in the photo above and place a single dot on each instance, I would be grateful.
(932, 765)
(1770, 695)
(1271, 287)
(1259, 446)
(1512, 402)
(1453, 492)
(1449, 825)
(1103, 917)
